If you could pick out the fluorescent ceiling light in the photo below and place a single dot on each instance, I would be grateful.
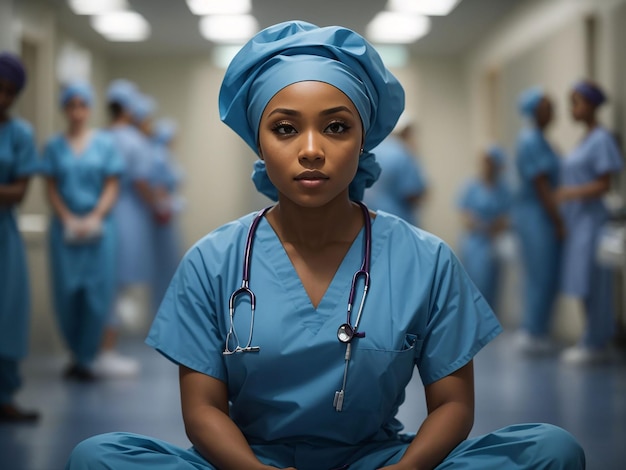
(121, 26)
(219, 7)
(397, 28)
(423, 7)
(228, 29)
(96, 7)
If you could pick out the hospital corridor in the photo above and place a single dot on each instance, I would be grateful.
(139, 276)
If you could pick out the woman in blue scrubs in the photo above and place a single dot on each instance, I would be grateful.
(167, 237)
(279, 389)
(538, 223)
(82, 168)
(485, 203)
(18, 161)
(586, 178)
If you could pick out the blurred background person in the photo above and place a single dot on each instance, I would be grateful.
(133, 216)
(402, 184)
(586, 178)
(165, 182)
(18, 161)
(82, 168)
(537, 222)
(485, 203)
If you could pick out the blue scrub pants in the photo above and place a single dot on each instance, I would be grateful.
(600, 318)
(526, 446)
(10, 380)
(481, 263)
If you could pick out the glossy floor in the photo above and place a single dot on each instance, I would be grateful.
(510, 388)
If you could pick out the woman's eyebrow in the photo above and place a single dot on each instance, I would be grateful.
(293, 112)
(287, 111)
(334, 110)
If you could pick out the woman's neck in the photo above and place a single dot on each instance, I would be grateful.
(337, 221)
(77, 131)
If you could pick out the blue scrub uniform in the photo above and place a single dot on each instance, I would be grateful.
(400, 178)
(167, 237)
(540, 247)
(133, 216)
(18, 159)
(582, 277)
(486, 204)
(83, 275)
(422, 310)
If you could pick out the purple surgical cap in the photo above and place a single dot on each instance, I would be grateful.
(591, 92)
(529, 100)
(12, 70)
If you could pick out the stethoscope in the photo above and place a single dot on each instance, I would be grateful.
(346, 331)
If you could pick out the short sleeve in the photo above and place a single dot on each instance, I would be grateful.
(47, 164)
(25, 150)
(186, 329)
(606, 155)
(460, 321)
(114, 163)
(532, 155)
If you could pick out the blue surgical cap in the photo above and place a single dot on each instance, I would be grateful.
(12, 70)
(529, 100)
(141, 107)
(296, 51)
(122, 92)
(591, 92)
(496, 154)
(164, 130)
(76, 89)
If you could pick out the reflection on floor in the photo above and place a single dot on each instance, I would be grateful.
(589, 402)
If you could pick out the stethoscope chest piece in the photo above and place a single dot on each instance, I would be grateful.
(345, 333)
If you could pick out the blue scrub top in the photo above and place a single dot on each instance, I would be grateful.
(18, 159)
(422, 310)
(596, 156)
(484, 202)
(534, 157)
(400, 178)
(165, 172)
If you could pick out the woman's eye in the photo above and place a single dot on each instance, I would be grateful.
(337, 128)
(284, 129)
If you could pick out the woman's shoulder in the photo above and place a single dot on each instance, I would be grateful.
(21, 128)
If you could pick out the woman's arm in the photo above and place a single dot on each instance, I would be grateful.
(450, 403)
(57, 203)
(209, 427)
(592, 190)
(13, 193)
(548, 199)
(107, 198)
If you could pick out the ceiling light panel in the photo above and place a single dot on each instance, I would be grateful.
(397, 28)
(423, 7)
(219, 7)
(228, 29)
(128, 26)
(96, 7)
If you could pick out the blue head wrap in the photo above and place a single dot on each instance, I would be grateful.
(297, 51)
(529, 100)
(12, 70)
(591, 92)
(141, 107)
(164, 130)
(121, 92)
(77, 89)
(496, 154)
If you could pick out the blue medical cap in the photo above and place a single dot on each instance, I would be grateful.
(76, 89)
(591, 92)
(296, 51)
(122, 92)
(496, 154)
(164, 130)
(12, 70)
(141, 107)
(529, 100)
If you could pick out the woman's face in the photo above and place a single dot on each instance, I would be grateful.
(544, 112)
(310, 136)
(8, 92)
(77, 112)
(582, 110)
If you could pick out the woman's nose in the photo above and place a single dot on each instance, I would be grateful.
(312, 148)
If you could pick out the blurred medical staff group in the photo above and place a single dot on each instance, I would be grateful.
(115, 204)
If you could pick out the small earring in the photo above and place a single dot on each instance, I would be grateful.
(361, 152)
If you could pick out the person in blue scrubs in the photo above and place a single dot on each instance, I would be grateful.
(402, 186)
(82, 168)
(485, 203)
(586, 178)
(538, 224)
(167, 237)
(313, 102)
(18, 161)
